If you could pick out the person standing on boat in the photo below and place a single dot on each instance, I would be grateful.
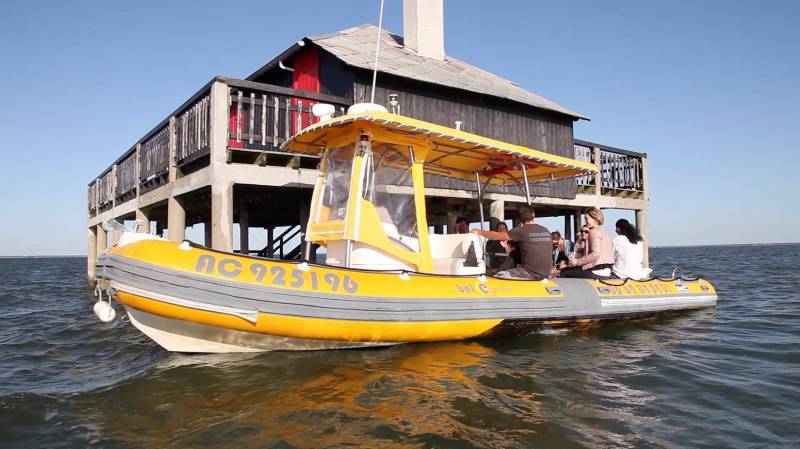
(599, 258)
(534, 242)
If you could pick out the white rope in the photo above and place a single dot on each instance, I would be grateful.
(377, 51)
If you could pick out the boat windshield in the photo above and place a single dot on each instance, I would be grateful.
(336, 186)
(388, 185)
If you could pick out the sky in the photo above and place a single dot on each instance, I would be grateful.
(709, 90)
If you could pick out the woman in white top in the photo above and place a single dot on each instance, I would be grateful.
(628, 252)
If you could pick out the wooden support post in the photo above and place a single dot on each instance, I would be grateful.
(176, 220)
(577, 224)
(91, 255)
(137, 173)
(644, 178)
(160, 228)
(641, 226)
(173, 149)
(598, 177)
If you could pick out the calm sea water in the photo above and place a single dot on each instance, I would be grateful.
(723, 377)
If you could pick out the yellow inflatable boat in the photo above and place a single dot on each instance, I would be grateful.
(386, 279)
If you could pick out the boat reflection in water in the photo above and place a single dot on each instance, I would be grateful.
(372, 398)
(493, 393)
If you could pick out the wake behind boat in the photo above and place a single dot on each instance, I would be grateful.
(386, 279)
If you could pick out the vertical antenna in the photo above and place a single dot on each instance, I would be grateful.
(377, 50)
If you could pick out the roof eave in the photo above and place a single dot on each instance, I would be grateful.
(281, 57)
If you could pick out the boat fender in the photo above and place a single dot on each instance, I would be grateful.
(104, 311)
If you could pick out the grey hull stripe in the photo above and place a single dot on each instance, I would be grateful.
(580, 298)
(249, 315)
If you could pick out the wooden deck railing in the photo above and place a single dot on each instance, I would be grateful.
(262, 117)
(105, 189)
(586, 154)
(92, 197)
(259, 119)
(193, 131)
(126, 175)
(154, 156)
(620, 170)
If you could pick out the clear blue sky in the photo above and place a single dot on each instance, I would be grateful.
(708, 89)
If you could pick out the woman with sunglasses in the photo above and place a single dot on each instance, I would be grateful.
(598, 259)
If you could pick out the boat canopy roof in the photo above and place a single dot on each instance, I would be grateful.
(452, 152)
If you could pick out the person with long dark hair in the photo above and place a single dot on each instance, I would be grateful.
(628, 252)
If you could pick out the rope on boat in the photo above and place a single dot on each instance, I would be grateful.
(670, 279)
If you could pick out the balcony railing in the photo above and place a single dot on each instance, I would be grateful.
(620, 170)
(262, 117)
(193, 131)
(259, 118)
(154, 156)
(105, 189)
(126, 175)
(586, 154)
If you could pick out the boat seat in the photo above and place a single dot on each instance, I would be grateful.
(363, 257)
(457, 254)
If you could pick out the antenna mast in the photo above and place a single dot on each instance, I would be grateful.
(377, 50)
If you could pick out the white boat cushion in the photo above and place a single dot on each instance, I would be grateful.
(449, 253)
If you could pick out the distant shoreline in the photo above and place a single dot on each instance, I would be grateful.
(653, 246)
(725, 244)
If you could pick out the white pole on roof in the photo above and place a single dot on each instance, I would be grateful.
(527, 187)
(377, 50)
(480, 195)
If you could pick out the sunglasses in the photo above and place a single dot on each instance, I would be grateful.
(584, 232)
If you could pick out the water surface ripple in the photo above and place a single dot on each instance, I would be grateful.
(723, 377)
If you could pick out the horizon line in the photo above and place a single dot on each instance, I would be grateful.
(651, 246)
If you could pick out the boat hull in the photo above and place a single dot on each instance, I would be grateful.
(198, 300)
(180, 335)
